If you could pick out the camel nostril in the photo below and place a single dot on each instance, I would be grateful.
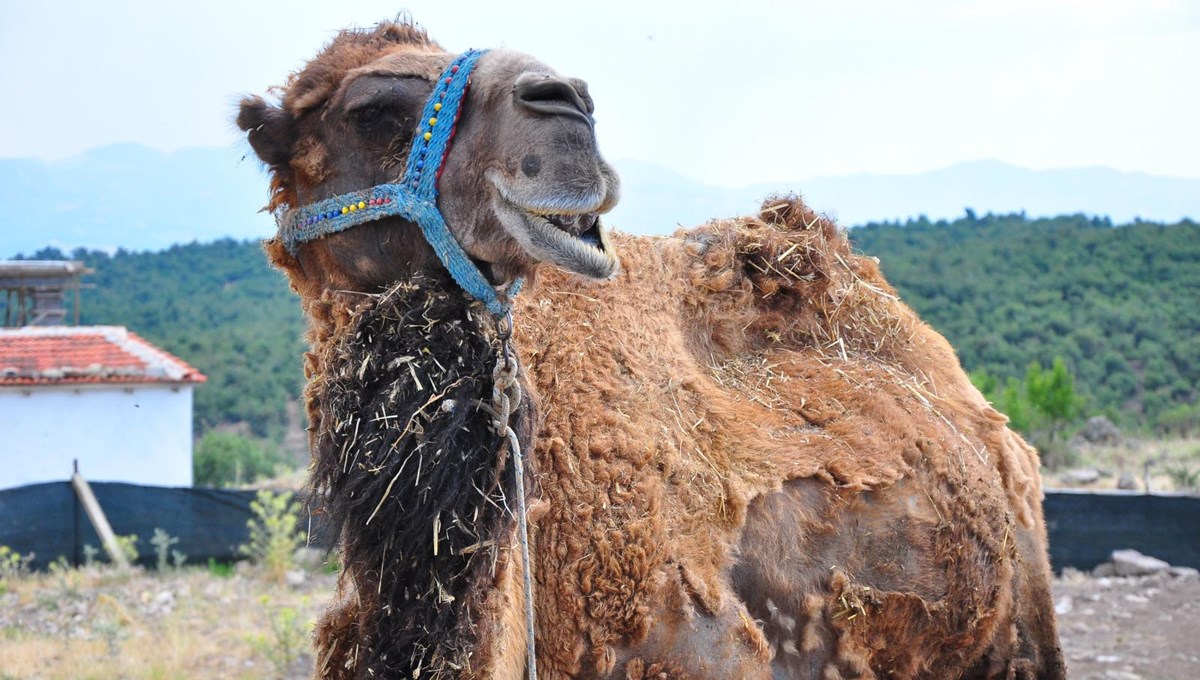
(550, 95)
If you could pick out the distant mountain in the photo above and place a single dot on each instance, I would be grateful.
(131, 196)
(657, 200)
(137, 198)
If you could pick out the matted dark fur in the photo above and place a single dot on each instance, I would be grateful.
(406, 463)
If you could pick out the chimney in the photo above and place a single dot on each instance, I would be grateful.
(35, 291)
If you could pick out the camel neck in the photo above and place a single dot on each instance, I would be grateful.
(405, 462)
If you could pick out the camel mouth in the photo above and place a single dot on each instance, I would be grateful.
(564, 231)
(574, 241)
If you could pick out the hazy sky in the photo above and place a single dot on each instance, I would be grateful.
(733, 92)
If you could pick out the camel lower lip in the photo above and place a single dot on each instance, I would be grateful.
(587, 253)
(579, 241)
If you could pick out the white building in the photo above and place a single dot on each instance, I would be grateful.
(100, 395)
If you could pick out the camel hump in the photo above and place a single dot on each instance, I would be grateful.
(787, 250)
(790, 274)
(791, 248)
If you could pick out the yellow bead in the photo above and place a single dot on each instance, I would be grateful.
(361, 205)
(433, 121)
(428, 136)
(345, 210)
(353, 207)
(437, 106)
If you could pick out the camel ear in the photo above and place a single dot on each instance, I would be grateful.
(269, 129)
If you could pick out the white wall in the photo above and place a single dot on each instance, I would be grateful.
(136, 433)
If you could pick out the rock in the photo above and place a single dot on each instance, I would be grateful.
(1100, 430)
(1133, 563)
(1184, 572)
(1074, 576)
(1082, 476)
(296, 578)
(1064, 605)
(309, 558)
(1127, 481)
(1157, 580)
(1105, 569)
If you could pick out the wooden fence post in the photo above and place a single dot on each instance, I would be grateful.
(96, 514)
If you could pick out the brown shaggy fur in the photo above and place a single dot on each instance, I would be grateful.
(750, 459)
(756, 369)
(308, 88)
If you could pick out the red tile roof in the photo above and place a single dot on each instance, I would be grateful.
(63, 355)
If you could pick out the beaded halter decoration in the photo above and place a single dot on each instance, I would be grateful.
(415, 196)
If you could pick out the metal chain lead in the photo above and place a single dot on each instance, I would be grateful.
(506, 395)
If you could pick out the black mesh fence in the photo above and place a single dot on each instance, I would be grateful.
(48, 521)
(1086, 527)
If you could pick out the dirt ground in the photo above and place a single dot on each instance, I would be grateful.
(1132, 628)
(192, 624)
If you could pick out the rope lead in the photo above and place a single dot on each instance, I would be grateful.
(506, 394)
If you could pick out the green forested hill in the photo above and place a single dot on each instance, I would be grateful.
(1121, 304)
(219, 307)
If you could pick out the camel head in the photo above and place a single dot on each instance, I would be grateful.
(521, 181)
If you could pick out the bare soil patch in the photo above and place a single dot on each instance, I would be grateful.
(1129, 628)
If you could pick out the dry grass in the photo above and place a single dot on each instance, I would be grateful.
(99, 623)
(1164, 462)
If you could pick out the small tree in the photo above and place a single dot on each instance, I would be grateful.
(274, 533)
(1052, 395)
(1011, 400)
(1015, 404)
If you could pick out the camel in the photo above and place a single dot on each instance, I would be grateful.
(745, 456)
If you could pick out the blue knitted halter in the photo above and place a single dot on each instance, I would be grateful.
(414, 197)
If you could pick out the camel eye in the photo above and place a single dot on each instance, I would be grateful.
(366, 116)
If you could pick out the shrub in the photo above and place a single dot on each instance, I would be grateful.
(288, 640)
(12, 563)
(225, 459)
(165, 557)
(274, 533)
(128, 545)
(219, 569)
(1182, 420)
(1184, 476)
(12, 566)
